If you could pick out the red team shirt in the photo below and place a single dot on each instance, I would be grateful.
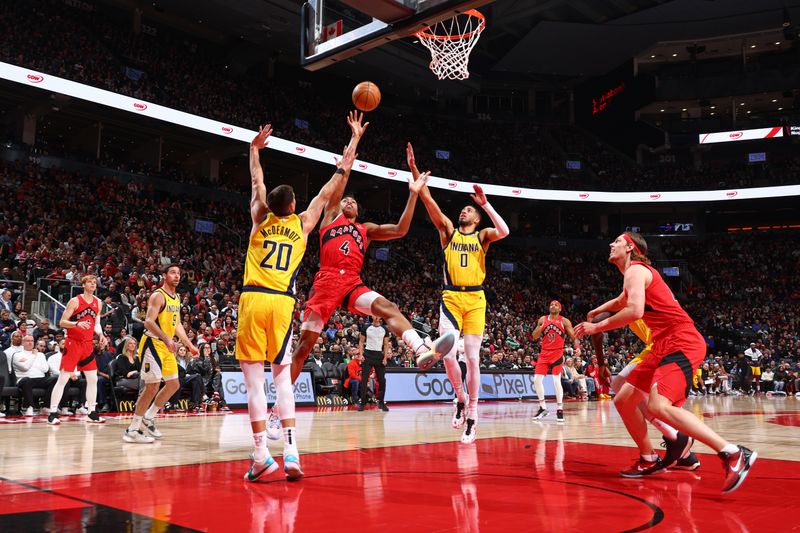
(662, 312)
(342, 245)
(86, 312)
(553, 335)
(678, 348)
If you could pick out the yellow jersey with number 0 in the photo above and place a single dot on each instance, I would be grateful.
(464, 261)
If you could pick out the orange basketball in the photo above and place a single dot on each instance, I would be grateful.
(366, 96)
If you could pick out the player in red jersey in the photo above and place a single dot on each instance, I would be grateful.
(343, 243)
(81, 321)
(666, 373)
(553, 329)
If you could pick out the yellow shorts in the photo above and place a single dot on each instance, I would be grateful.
(265, 327)
(642, 355)
(756, 370)
(464, 311)
(157, 361)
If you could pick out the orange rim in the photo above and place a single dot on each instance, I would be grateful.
(425, 34)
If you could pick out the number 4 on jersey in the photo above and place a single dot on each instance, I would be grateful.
(345, 248)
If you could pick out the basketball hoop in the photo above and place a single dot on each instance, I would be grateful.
(450, 42)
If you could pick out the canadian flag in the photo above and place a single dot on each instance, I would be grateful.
(331, 31)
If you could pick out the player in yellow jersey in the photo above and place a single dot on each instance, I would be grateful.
(277, 243)
(463, 306)
(157, 349)
(689, 460)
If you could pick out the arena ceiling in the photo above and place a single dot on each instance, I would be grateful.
(558, 41)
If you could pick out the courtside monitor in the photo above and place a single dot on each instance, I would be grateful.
(334, 30)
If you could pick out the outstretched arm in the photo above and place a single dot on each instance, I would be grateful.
(440, 221)
(311, 215)
(500, 229)
(332, 207)
(258, 199)
(386, 232)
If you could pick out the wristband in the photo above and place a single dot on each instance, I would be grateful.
(340, 170)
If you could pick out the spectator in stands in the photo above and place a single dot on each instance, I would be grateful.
(742, 374)
(781, 377)
(5, 301)
(353, 381)
(43, 330)
(7, 326)
(103, 358)
(127, 366)
(767, 376)
(569, 379)
(31, 370)
(15, 347)
(192, 377)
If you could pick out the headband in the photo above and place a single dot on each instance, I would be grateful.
(557, 303)
(630, 241)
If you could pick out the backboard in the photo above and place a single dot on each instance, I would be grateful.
(334, 30)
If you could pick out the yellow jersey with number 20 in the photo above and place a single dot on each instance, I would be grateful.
(274, 253)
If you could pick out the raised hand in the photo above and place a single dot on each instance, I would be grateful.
(354, 119)
(260, 141)
(348, 158)
(479, 197)
(416, 185)
(412, 162)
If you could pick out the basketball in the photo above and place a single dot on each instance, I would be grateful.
(366, 96)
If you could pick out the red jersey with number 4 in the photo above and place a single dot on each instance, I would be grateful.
(662, 312)
(553, 334)
(86, 312)
(342, 245)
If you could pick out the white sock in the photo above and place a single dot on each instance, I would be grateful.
(472, 348)
(651, 457)
(290, 441)
(260, 451)
(559, 389)
(136, 423)
(152, 412)
(58, 391)
(414, 341)
(91, 390)
(729, 448)
(538, 384)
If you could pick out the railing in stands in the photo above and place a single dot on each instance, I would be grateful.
(59, 289)
(48, 307)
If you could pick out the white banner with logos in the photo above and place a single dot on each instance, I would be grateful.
(48, 82)
(236, 392)
(741, 135)
(420, 386)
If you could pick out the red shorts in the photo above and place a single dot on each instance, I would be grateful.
(332, 289)
(78, 354)
(550, 363)
(670, 365)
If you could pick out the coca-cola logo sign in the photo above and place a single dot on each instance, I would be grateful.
(362, 166)
(516, 192)
(227, 130)
(655, 196)
(35, 78)
(452, 184)
(392, 173)
(300, 149)
(731, 194)
(735, 134)
(583, 195)
(139, 106)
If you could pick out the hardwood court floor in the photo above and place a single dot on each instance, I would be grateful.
(399, 471)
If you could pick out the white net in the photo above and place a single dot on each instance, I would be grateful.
(450, 43)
